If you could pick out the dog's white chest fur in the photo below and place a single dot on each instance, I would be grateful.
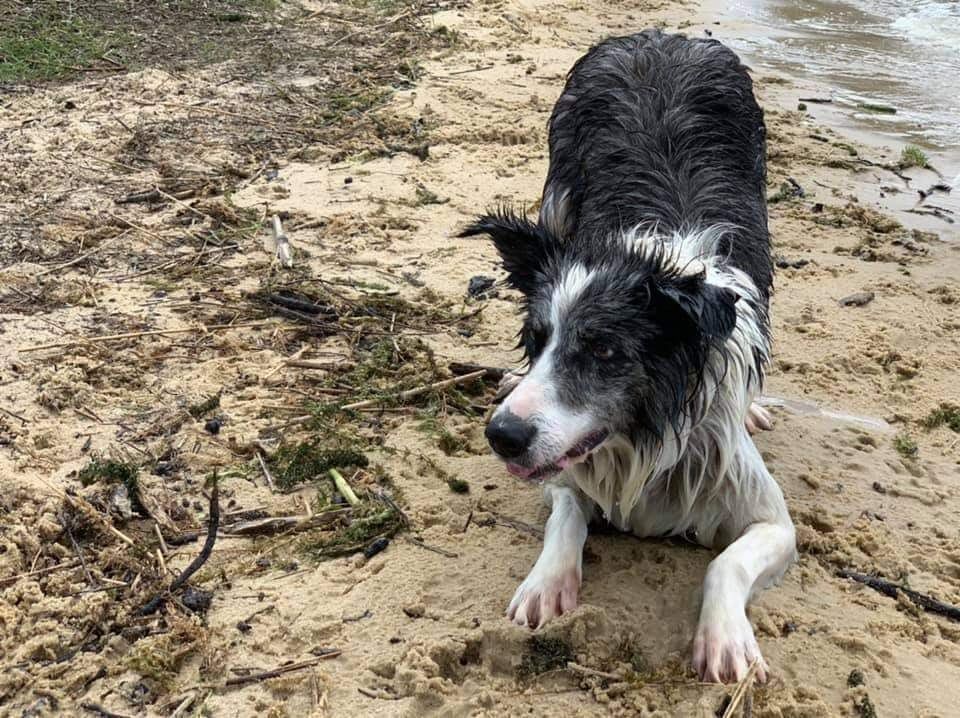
(673, 485)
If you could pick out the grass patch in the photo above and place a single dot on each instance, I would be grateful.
(913, 156)
(48, 46)
(905, 446)
(944, 415)
(544, 654)
(47, 40)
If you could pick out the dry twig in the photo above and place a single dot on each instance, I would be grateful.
(289, 668)
(133, 335)
(39, 572)
(277, 524)
(740, 692)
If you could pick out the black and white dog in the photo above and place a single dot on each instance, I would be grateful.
(647, 278)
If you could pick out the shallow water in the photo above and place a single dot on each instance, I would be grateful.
(905, 55)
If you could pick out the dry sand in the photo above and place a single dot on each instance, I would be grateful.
(421, 632)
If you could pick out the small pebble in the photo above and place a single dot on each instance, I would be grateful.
(212, 426)
(197, 600)
(416, 610)
(858, 299)
(855, 678)
(376, 546)
(784, 263)
(480, 285)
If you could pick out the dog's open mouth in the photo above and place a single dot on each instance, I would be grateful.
(577, 453)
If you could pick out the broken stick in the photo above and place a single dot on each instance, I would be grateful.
(282, 244)
(887, 588)
(410, 393)
(201, 558)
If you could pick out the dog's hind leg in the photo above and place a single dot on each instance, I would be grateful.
(553, 585)
(724, 645)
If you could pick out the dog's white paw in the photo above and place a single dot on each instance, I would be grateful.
(758, 419)
(725, 647)
(543, 595)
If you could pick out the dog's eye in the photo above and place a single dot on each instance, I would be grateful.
(603, 352)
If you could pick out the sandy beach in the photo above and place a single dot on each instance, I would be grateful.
(864, 393)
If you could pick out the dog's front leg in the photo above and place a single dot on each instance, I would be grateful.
(724, 646)
(553, 585)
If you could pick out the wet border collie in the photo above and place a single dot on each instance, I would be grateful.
(646, 281)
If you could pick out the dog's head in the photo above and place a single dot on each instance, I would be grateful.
(616, 339)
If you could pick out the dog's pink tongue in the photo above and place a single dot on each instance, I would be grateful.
(520, 471)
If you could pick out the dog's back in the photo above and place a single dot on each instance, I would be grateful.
(663, 132)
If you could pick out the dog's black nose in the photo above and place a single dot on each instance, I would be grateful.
(509, 435)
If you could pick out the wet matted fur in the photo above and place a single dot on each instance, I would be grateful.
(646, 281)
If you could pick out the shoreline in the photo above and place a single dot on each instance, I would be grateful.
(884, 147)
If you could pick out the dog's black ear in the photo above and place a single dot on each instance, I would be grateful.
(523, 246)
(709, 307)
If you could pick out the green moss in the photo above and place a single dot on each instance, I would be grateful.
(200, 409)
(297, 464)
(544, 654)
(458, 486)
(905, 446)
(340, 105)
(110, 471)
(449, 443)
(912, 156)
(425, 197)
(372, 522)
(785, 193)
(946, 414)
(850, 149)
(445, 36)
(160, 658)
